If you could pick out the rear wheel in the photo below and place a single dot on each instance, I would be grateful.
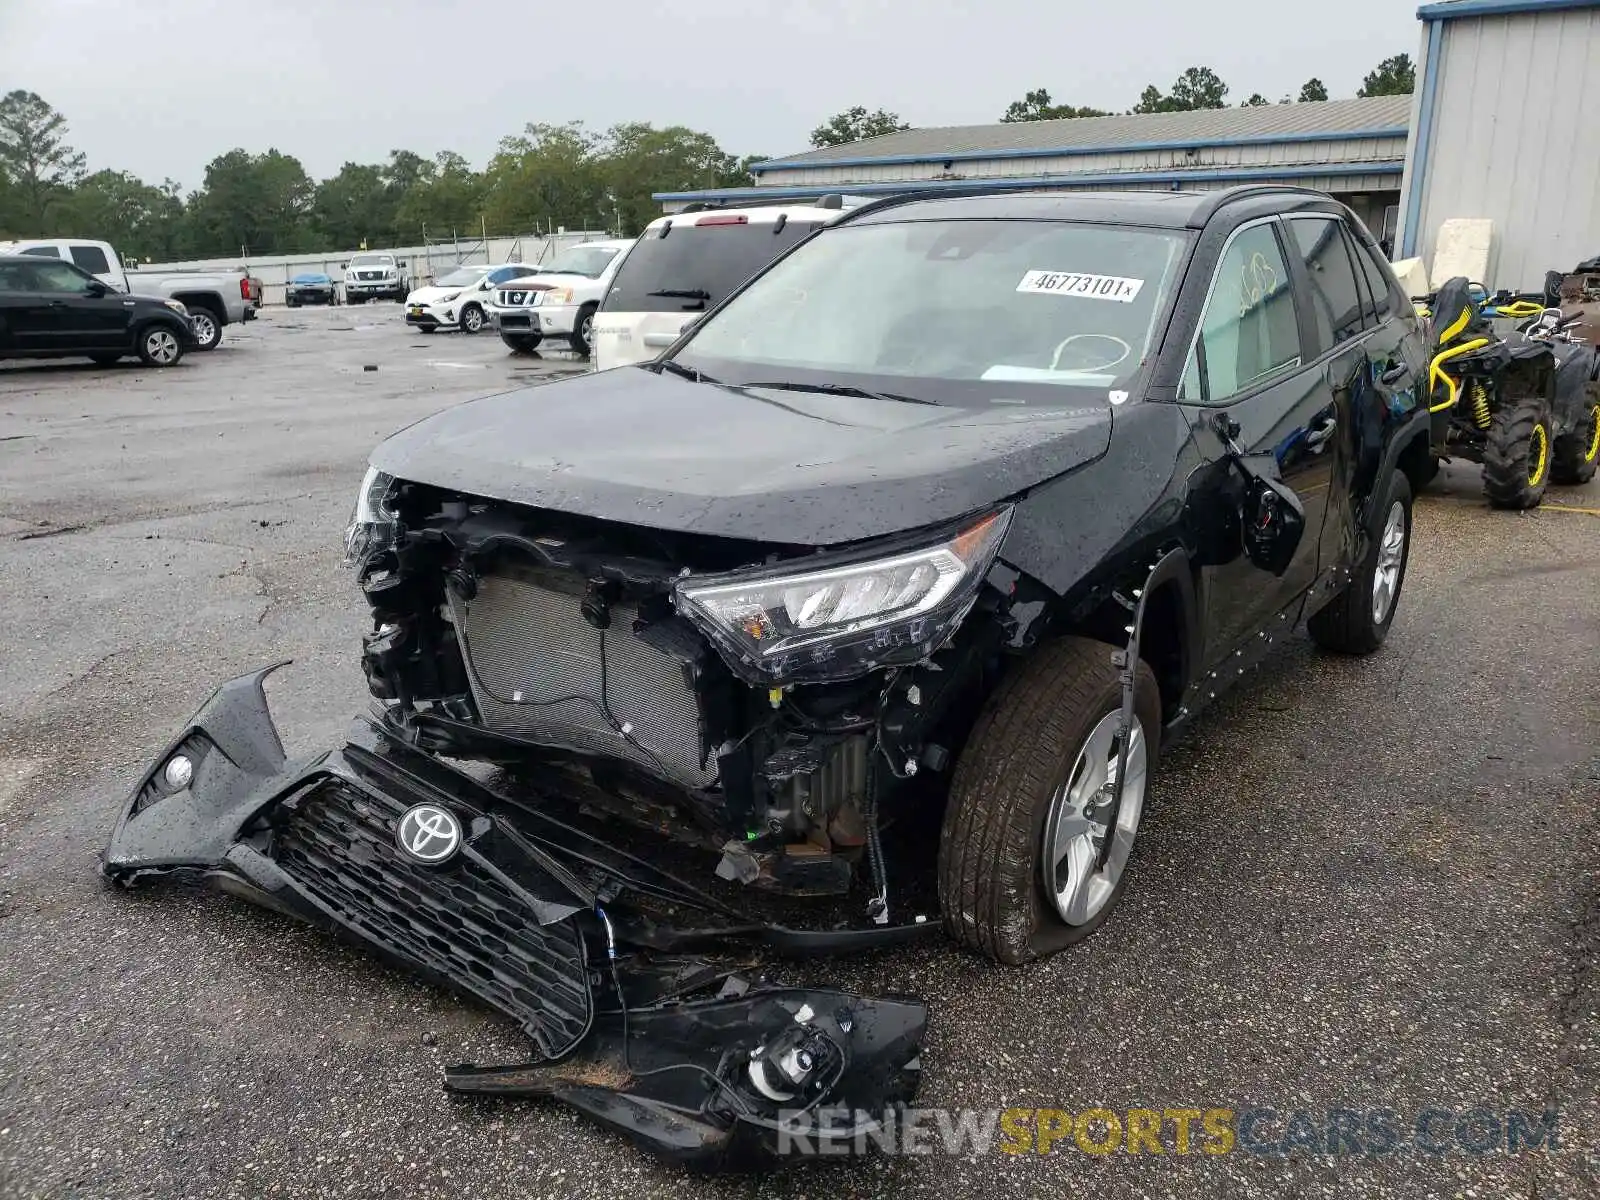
(521, 343)
(159, 346)
(1578, 453)
(207, 328)
(1516, 453)
(1024, 865)
(472, 319)
(1357, 620)
(583, 330)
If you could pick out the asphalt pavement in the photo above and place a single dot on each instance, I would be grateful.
(1366, 885)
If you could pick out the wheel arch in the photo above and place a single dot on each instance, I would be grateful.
(210, 301)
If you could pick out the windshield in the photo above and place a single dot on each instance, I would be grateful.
(690, 267)
(589, 261)
(372, 260)
(461, 277)
(952, 304)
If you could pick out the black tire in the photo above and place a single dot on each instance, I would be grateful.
(521, 343)
(158, 345)
(424, 328)
(473, 319)
(1577, 454)
(355, 299)
(104, 360)
(1350, 623)
(291, 304)
(1024, 746)
(1516, 453)
(582, 329)
(207, 326)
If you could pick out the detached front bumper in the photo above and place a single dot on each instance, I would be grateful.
(517, 917)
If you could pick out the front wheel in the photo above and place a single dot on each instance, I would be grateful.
(472, 319)
(1357, 620)
(521, 343)
(1578, 453)
(207, 329)
(159, 346)
(583, 330)
(1030, 860)
(1516, 453)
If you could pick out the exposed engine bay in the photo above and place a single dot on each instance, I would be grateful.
(641, 661)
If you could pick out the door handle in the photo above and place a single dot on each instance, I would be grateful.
(58, 304)
(1319, 433)
(660, 339)
(1396, 374)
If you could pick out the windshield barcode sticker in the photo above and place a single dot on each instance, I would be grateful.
(1073, 283)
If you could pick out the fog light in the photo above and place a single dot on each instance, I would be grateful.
(178, 771)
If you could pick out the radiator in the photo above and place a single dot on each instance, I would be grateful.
(536, 669)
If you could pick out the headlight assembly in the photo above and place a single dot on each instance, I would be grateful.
(374, 524)
(833, 622)
(178, 307)
(553, 296)
(447, 299)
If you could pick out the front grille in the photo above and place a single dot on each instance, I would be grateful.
(513, 298)
(460, 921)
(369, 274)
(535, 665)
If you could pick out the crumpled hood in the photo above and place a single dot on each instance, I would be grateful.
(800, 467)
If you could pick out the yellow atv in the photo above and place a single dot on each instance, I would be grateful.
(1492, 399)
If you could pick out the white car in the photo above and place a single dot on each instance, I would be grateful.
(561, 300)
(689, 262)
(374, 276)
(457, 300)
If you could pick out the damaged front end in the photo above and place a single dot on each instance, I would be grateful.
(584, 945)
(771, 704)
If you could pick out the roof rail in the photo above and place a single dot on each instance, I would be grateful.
(913, 196)
(1214, 201)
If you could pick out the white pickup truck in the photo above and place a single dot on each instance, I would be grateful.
(213, 298)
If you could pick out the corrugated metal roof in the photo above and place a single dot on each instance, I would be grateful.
(1272, 122)
(1450, 10)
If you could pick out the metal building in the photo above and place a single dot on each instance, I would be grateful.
(1352, 148)
(1506, 123)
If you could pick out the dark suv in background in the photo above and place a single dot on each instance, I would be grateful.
(52, 309)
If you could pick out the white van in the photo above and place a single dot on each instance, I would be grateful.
(687, 263)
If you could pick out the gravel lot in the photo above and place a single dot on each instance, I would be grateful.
(1364, 884)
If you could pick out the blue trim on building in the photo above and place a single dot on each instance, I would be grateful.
(1263, 139)
(1424, 138)
(1496, 8)
(1284, 172)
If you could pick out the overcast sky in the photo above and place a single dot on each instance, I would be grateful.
(161, 87)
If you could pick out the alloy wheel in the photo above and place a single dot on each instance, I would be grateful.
(1391, 555)
(1078, 822)
(162, 346)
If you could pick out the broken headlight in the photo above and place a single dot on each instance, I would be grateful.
(374, 525)
(833, 622)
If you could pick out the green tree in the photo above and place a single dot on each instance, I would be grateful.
(39, 165)
(854, 124)
(1394, 76)
(548, 177)
(742, 172)
(1196, 88)
(1257, 100)
(139, 220)
(357, 205)
(445, 198)
(1036, 106)
(638, 159)
(1313, 89)
(252, 203)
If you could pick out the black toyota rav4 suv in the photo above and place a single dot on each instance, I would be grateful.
(928, 536)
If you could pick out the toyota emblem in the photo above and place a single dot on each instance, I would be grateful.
(428, 834)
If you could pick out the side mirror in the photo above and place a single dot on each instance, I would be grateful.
(1273, 520)
(401, 263)
(97, 288)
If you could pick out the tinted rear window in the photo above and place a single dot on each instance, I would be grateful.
(91, 258)
(700, 264)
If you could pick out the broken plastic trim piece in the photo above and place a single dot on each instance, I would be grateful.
(514, 919)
